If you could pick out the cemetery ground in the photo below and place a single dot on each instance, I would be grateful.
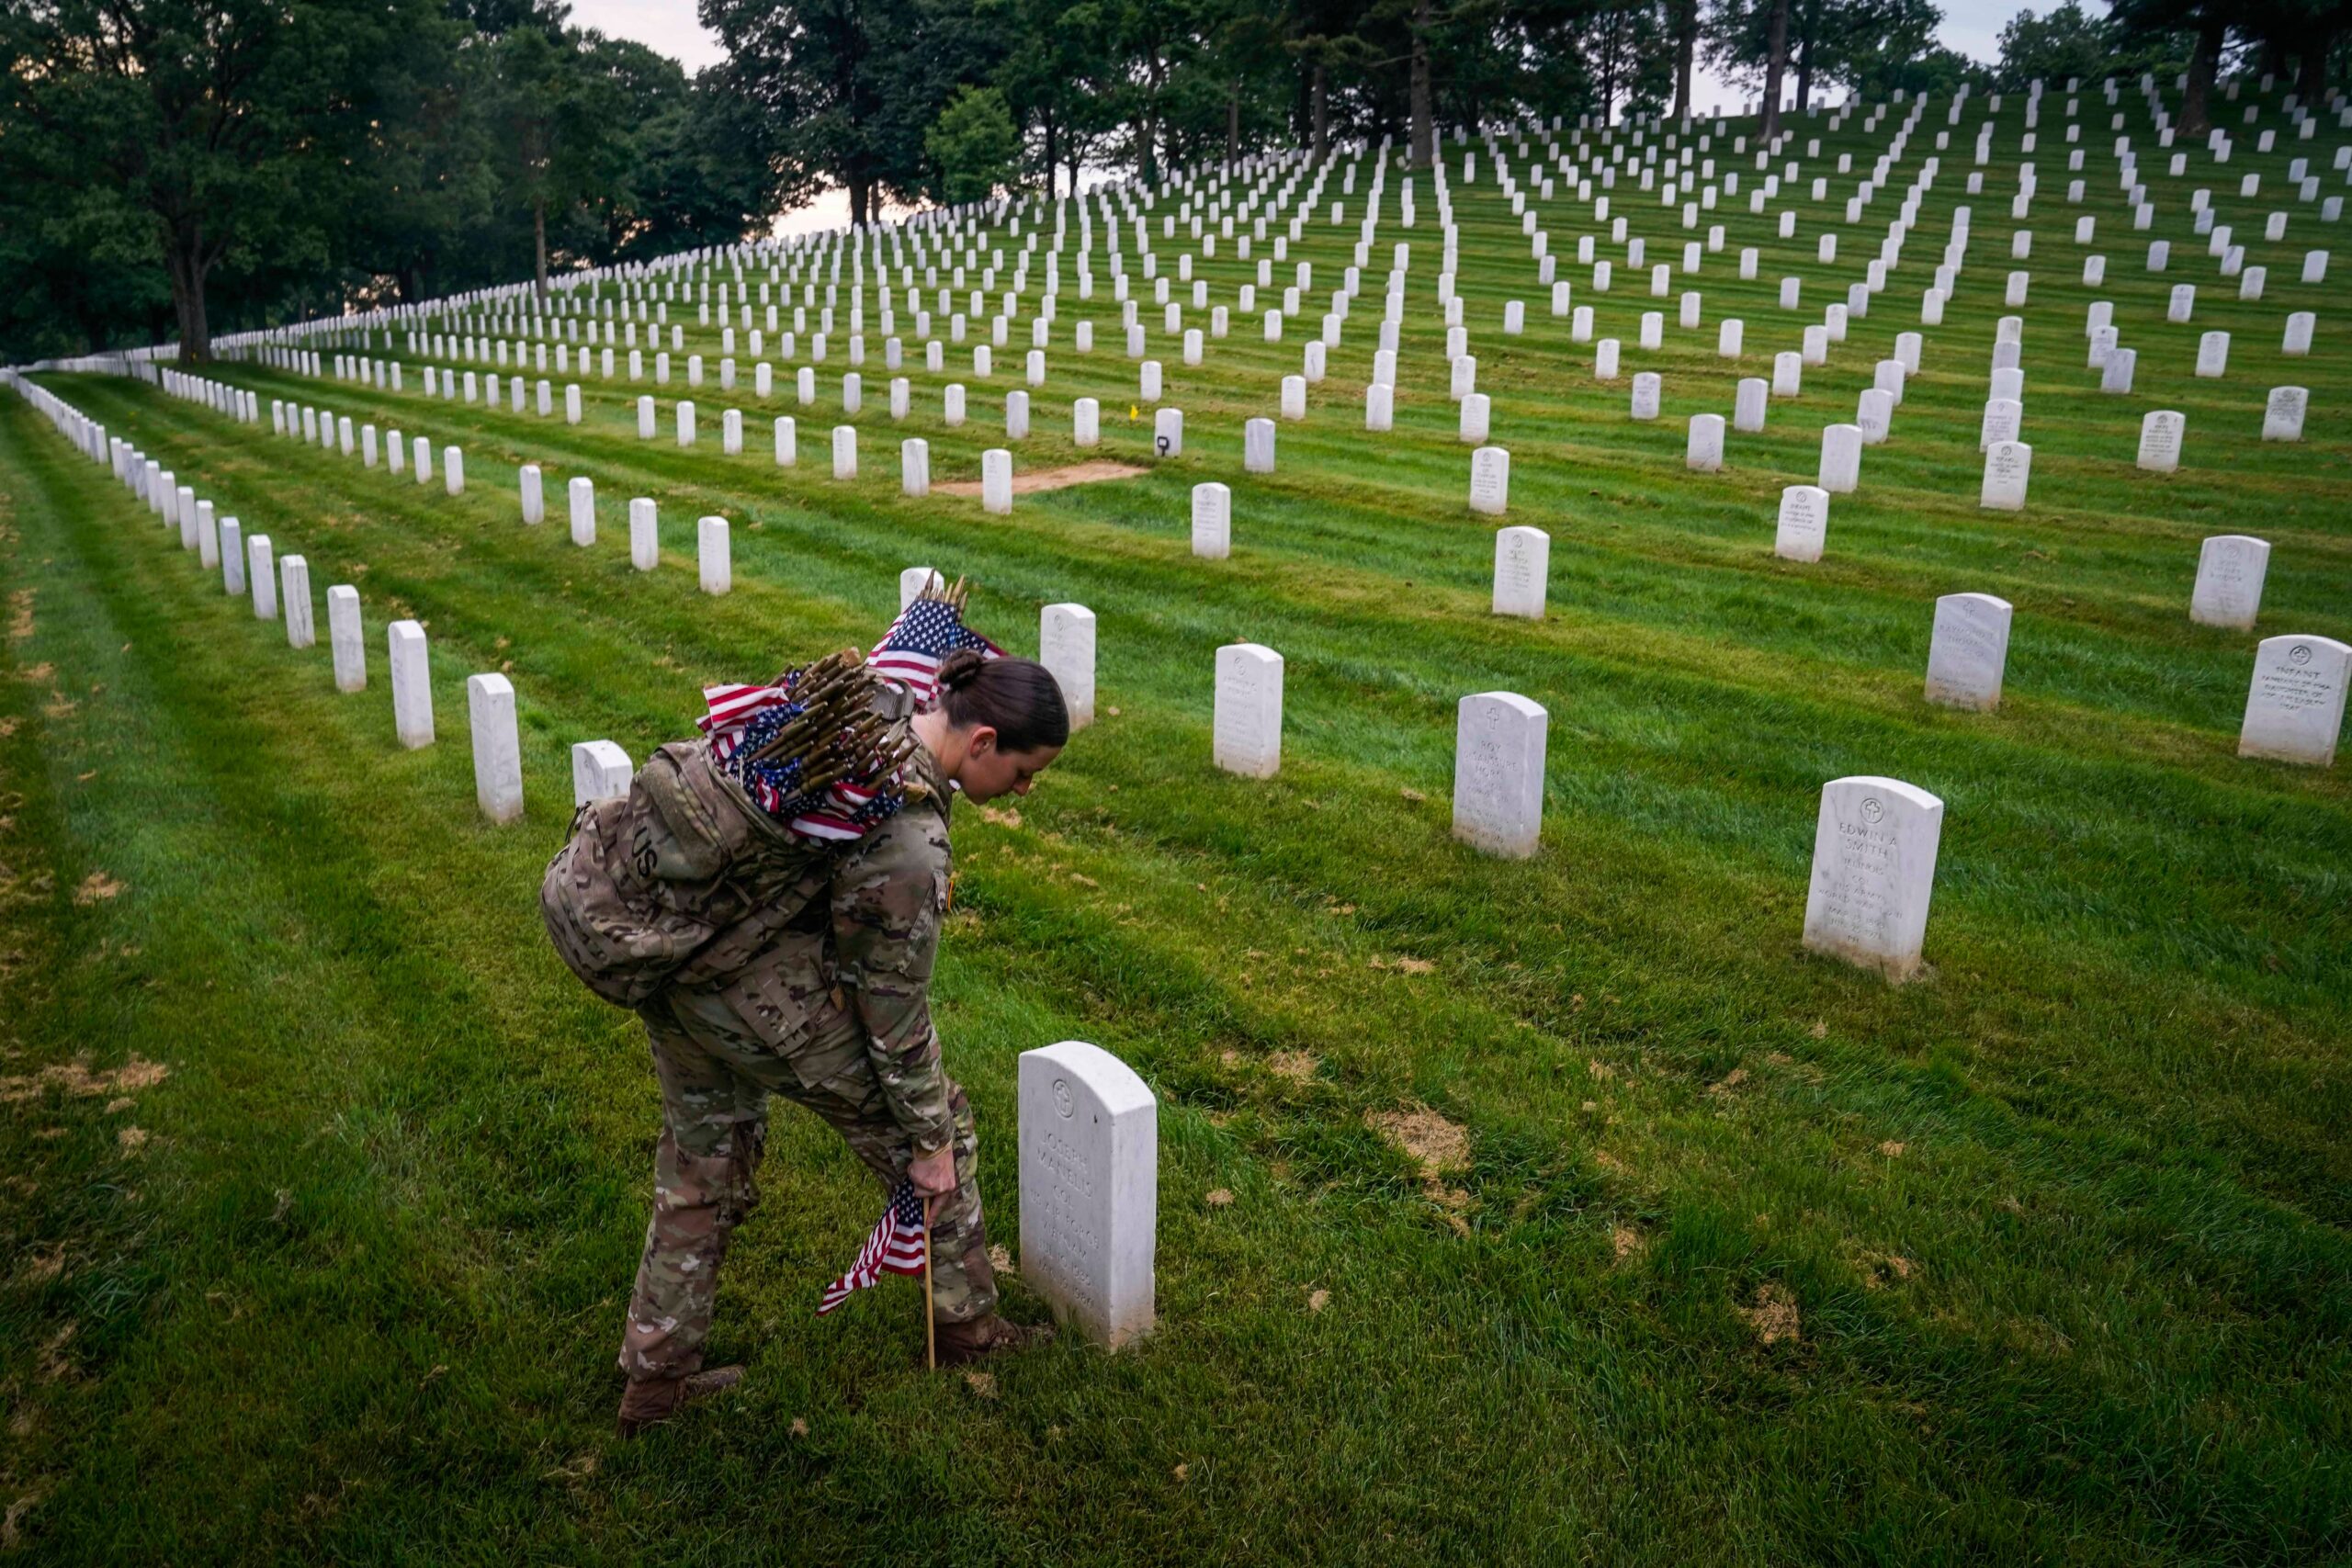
(1547, 1210)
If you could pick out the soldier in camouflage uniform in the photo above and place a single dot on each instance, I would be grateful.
(833, 1011)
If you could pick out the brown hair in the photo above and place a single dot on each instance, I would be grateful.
(1018, 698)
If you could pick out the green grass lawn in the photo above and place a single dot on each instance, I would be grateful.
(324, 1180)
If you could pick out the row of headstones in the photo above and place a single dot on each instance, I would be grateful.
(2294, 706)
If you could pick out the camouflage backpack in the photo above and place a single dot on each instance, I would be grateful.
(724, 835)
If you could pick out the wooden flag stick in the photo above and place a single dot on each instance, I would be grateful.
(930, 1324)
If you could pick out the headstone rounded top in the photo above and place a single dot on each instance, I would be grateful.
(1881, 796)
(1115, 1084)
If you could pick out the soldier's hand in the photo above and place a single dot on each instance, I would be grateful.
(934, 1174)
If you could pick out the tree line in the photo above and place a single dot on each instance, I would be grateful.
(173, 168)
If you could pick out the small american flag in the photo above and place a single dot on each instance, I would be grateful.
(925, 633)
(895, 1247)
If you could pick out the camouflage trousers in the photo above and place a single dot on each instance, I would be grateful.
(716, 1076)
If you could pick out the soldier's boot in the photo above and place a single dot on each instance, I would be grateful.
(989, 1335)
(652, 1401)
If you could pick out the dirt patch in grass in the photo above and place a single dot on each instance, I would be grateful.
(1774, 1314)
(75, 1078)
(1881, 1269)
(1437, 1145)
(1296, 1065)
(97, 888)
(1035, 480)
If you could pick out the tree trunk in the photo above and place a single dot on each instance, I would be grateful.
(1609, 72)
(1776, 63)
(1424, 133)
(2310, 68)
(1686, 49)
(1049, 155)
(861, 192)
(1319, 110)
(1805, 73)
(539, 243)
(184, 259)
(2274, 56)
(1232, 123)
(2201, 66)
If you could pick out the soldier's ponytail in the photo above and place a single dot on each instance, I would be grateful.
(1018, 698)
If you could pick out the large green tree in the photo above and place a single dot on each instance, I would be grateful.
(232, 126)
(560, 113)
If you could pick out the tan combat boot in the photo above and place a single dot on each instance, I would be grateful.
(652, 1401)
(989, 1335)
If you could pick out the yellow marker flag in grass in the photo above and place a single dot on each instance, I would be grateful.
(1132, 415)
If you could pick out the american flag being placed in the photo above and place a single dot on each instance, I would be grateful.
(925, 633)
(895, 1247)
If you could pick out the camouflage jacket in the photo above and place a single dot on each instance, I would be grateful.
(859, 930)
(707, 892)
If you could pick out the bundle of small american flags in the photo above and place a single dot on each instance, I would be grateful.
(895, 1247)
(743, 719)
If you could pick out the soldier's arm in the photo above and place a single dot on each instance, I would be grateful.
(889, 897)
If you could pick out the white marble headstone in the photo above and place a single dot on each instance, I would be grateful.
(1490, 480)
(2009, 466)
(1212, 521)
(1804, 523)
(294, 585)
(411, 684)
(1499, 774)
(1247, 725)
(344, 634)
(1066, 648)
(2282, 414)
(600, 770)
(1874, 872)
(1703, 446)
(1968, 651)
(498, 746)
(2294, 709)
(583, 496)
(1522, 568)
(2160, 438)
(2230, 570)
(1089, 1183)
(714, 557)
(1258, 446)
(1841, 458)
(1748, 405)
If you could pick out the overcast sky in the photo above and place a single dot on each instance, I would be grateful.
(1972, 26)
